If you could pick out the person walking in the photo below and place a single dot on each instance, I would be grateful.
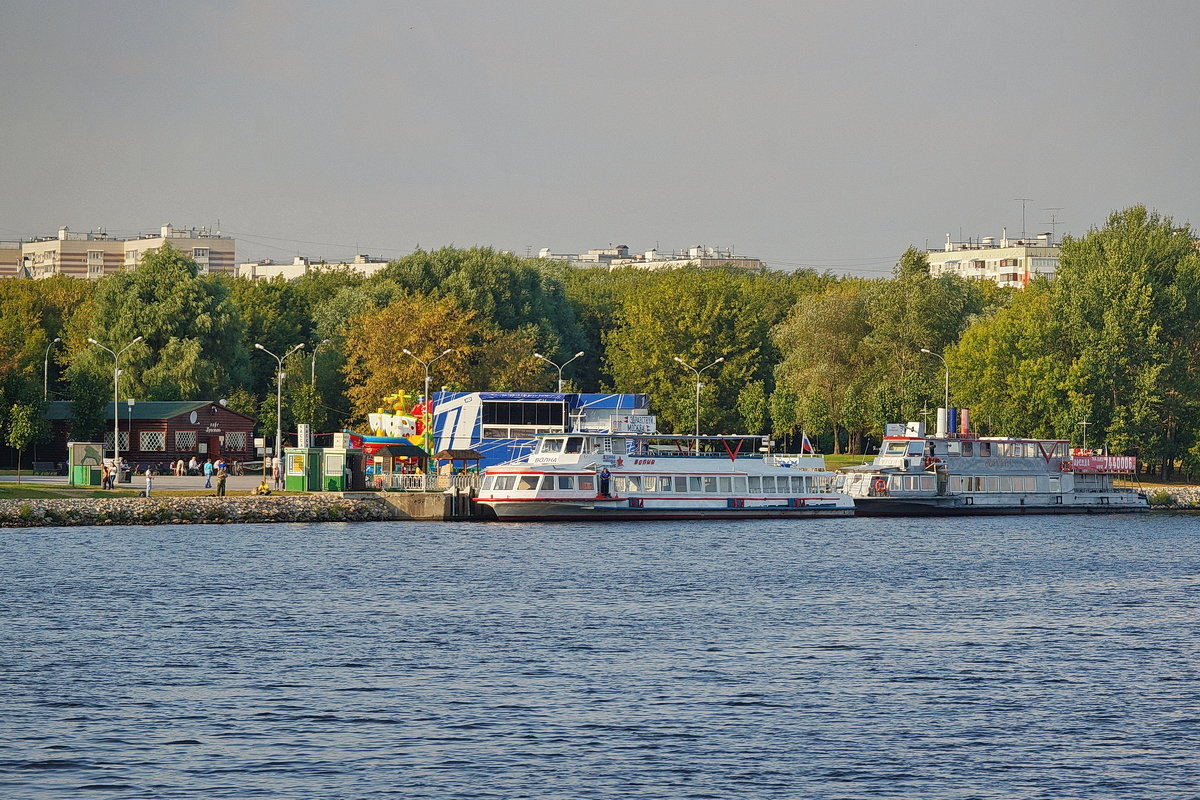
(222, 474)
(277, 473)
(208, 473)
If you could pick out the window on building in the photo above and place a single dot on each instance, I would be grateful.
(152, 440)
(185, 440)
(235, 440)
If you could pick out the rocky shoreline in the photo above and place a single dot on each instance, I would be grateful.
(183, 510)
(1178, 497)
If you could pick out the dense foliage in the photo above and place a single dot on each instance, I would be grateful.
(1112, 341)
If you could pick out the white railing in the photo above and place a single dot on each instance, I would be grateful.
(424, 483)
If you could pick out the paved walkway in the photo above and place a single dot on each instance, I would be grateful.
(162, 483)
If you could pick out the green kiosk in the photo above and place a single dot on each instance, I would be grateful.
(302, 469)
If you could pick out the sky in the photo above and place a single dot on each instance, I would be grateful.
(830, 135)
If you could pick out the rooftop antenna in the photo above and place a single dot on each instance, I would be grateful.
(1023, 200)
(1053, 223)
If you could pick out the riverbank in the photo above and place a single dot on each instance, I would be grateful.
(182, 510)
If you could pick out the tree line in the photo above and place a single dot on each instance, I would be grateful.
(1110, 342)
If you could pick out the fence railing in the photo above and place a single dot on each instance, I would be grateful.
(424, 483)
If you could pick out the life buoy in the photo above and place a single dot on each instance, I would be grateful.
(879, 485)
(1065, 466)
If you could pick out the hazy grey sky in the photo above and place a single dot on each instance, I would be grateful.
(830, 135)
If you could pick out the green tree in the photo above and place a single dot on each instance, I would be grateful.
(26, 426)
(192, 345)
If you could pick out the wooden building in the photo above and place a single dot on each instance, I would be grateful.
(162, 432)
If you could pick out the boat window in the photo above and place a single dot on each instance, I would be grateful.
(710, 483)
(694, 484)
(894, 448)
(547, 483)
(725, 484)
(985, 449)
(1006, 483)
(633, 483)
(1055, 484)
(966, 449)
(552, 445)
(574, 445)
(739, 484)
(566, 482)
(808, 484)
(993, 483)
(916, 448)
(526, 483)
(755, 484)
(680, 483)
(664, 483)
(797, 483)
(488, 480)
(505, 482)
(768, 484)
(927, 483)
(586, 483)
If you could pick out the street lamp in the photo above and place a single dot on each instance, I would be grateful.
(319, 345)
(46, 369)
(428, 399)
(698, 384)
(947, 366)
(278, 395)
(556, 366)
(1083, 425)
(116, 354)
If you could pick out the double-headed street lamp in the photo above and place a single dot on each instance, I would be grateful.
(46, 369)
(428, 398)
(698, 385)
(947, 366)
(116, 354)
(558, 367)
(279, 395)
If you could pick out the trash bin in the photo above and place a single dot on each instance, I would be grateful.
(126, 476)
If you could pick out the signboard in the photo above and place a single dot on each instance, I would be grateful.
(633, 423)
(260, 443)
(894, 429)
(304, 435)
(1124, 465)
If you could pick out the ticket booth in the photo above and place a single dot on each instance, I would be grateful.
(302, 469)
(85, 461)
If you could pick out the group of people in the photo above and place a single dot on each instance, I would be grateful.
(195, 467)
(110, 472)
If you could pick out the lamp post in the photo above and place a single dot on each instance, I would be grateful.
(1083, 425)
(698, 384)
(947, 366)
(313, 376)
(556, 366)
(428, 399)
(46, 370)
(278, 395)
(116, 354)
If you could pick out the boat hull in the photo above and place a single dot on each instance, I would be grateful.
(957, 507)
(548, 510)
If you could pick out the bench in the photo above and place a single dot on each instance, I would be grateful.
(45, 468)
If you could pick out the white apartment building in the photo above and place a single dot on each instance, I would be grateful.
(267, 268)
(619, 256)
(95, 253)
(1008, 262)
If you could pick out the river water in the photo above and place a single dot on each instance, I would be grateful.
(991, 658)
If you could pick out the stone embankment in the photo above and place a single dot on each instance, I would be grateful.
(181, 510)
(1174, 497)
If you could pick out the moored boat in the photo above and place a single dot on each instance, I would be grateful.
(961, 473)
(627, 476)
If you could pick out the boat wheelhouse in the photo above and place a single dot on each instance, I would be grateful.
(629, 475)
(963, 473)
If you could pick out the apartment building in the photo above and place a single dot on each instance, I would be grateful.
(95, 253)
(267, 268)
(1007, 262)
(620, 256)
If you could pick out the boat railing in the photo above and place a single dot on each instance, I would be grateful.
(425, 483)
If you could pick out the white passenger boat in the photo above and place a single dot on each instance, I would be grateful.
(628, 476)
(962, 474)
